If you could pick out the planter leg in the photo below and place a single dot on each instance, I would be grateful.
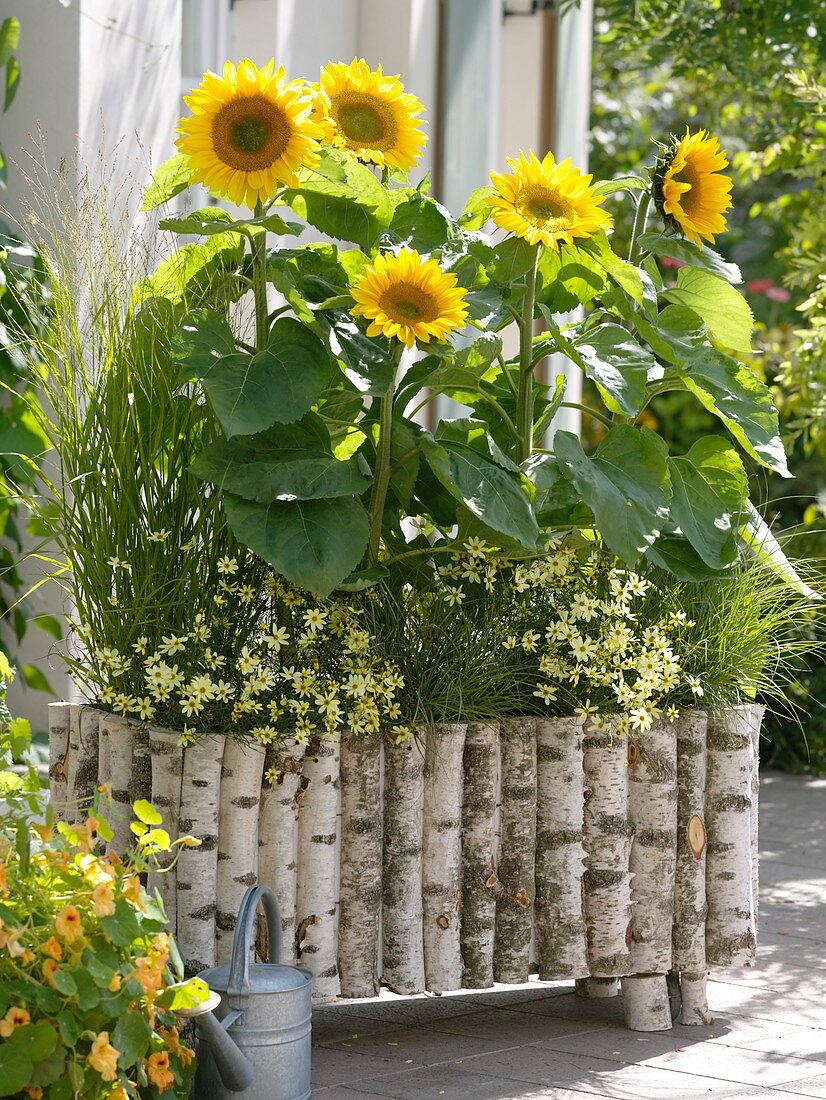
(647, 1006)
(597, 987)
(694, 1002)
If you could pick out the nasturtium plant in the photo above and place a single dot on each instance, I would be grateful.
(323, 461)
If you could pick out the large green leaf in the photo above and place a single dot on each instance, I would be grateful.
(313, 543)
(709, 490)
(419, 223)
(193, 265)
(687, 253)
(278, 385)
(170, 179)
(733, 392)
(675, 553)
(342, 198)
(757, 534)
(258, 468)
(213, 219)
(461, 371)
(724, 310)
(676, 335)
(367, 363)
(618, 366)
(626, 485)
(15, 1069)
(490, 492)
(204, 337)
(568, 278)
(131, 1037)
(634, 281)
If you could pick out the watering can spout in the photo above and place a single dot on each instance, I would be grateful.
(234, 1068)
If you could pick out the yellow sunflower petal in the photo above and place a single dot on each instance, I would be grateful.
(369, 115)
(689, 189)
(409, 299)
(248, 133)
(545, 202)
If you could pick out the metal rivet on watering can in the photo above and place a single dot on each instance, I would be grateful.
(256, 1045)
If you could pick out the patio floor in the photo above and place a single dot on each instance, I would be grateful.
(768, 1039)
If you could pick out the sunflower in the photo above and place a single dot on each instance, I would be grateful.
(689, 189)
(409, 298)
(249, 131)
(547, 202)
(369, 115)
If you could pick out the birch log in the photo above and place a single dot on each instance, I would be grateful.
(118, 736)
(517, 847)
(197, 867)
(646, 1003)
(730, 928)
(104, 752)
(361, 842)
(167, 758)
(58, 757)
(140, 778)
(652, 813)
(689, 935)
(560, 926)
(278, 837)
(318, 868)
(597, 988)
(88, 752)
(241, 773)
(757, 713)
(442, 857)
(402, 932)
(481, 781)
(607, 841)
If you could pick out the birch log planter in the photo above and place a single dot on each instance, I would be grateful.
(432, 864)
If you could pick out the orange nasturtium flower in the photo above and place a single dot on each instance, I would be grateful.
(158, 1071)
(15, 1017)
(103, 1057)
(52, 948)
(49, 969)
(103, 900)
(68, 924)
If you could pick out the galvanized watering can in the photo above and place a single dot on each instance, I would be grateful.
(256, 1043)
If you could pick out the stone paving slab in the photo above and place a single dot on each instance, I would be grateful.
(530, 1042)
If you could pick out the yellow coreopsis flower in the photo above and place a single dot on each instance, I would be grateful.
(406, 297)
(690, 190)
(369, 115)
(103, 1057)
(250, 130)
(545, 202)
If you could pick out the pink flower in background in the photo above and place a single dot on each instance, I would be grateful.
(667, 261)
(778, 294)
(759, 286)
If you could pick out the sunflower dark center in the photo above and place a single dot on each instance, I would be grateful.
(361, 123)
(542, 205)
(250, 134)
(406, 303)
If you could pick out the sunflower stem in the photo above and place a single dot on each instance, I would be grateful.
(638, 228)
(524, 399)
(381, 477)
(258, 248)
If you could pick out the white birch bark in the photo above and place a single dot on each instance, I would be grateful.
(517, 849)
(197, 867)
(402, 931)
(757, 713)
(646, 1003)
(361, 871)
(318, 868)
(167, 757)
(104, 752)
(241, 773)
(71, 764)
(278, 837)
(652, 812)
(730, 926)
(689, 934)
(58, 757)
(87, 761)
(560, 925)
(442, 857)
(119, 738)
(607, 840)
(140, 781)
(481, 781)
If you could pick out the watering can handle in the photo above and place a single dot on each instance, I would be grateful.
(238, 986)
